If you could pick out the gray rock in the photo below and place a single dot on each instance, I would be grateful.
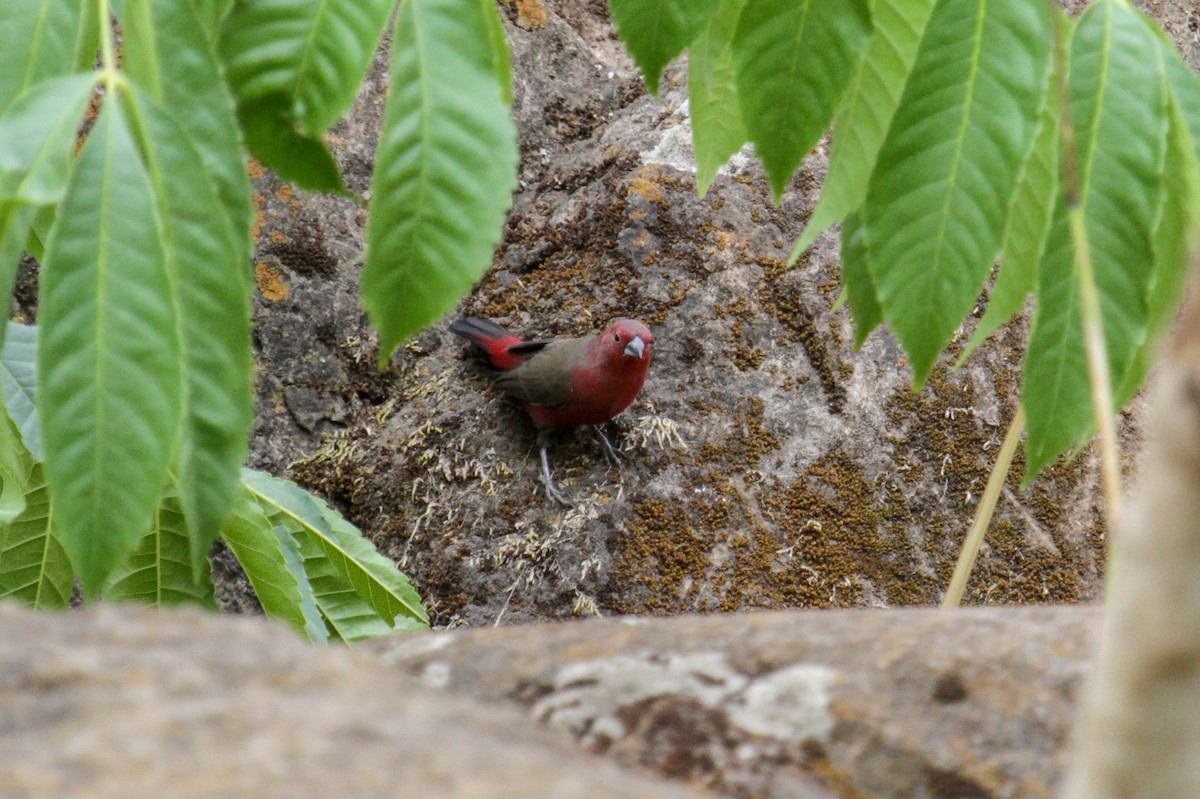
(903, 704)
(116, 703)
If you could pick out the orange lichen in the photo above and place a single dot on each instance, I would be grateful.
(270, 282)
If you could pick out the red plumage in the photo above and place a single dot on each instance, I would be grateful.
(564, 382)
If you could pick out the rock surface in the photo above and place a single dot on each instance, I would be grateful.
(117, 703)
(902, 704)
(768, 464)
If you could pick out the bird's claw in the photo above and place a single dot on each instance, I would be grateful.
(609, 452)
(548, 480)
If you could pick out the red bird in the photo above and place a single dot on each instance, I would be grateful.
(563, 382)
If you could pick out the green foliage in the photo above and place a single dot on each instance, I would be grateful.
(946, 155)
(657, 32)
(871, 101)
(438, 196)
(717, 129)
(1119, 102)
(794, 60)
(143, 377)
(309, 567)
(109, 365)
(295, 67)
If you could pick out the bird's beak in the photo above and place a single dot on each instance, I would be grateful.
(635, 348)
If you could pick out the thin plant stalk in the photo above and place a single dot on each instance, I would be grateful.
(1093, 324)
(984, 511)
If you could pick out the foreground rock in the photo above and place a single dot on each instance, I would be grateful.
(906, 704)
(116, 703)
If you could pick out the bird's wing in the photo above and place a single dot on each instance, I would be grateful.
(545, 379)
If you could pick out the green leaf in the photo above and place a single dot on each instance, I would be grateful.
(87, 37)
(273, 564)
(211, 15)
(444, 171)
(182, 70)
(860, 288)
(360, 592)
(159, 572)
(37, 139)
(14, 470)
(717, 129)
(33, 564)
(39, 232)
(304, 160)
(1119, 107)
(205, 269)
(1028, 225)
(18, 383)
(862, 123)
(501, 60)
(940, 192)
(1184, 83)
(295, 66)
(655, 31)
(794, 60)
(39, 42)
(109, 363)
(1174, 237)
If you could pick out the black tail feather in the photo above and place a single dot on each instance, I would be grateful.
(474, 329)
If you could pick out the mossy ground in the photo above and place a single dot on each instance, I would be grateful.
(733, 496)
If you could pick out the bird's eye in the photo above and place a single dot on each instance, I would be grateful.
(617, 337)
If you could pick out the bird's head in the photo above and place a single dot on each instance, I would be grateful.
(628, 342)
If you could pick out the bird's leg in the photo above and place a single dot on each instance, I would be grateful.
(548, 478)
(609, 452)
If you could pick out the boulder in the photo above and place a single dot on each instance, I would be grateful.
(900, 704)
(113, 702)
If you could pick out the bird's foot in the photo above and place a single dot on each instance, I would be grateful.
(548, 480)
(609, 452)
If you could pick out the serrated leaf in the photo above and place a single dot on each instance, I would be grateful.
(273, 139)
(87, 37)
(183, 72)
(860, 288)
(717, 129)
(360, 592)
(18, 383)
(109, 362)
(940, 192)
(37, 139)
(501, 59)
(39, 42)
(159, 571)
(33, 564)
(1119, 107)
(862, 123)
(211, 14)
(1028, 225)
(14, 470)
(39, 232)
(656, 31)
(273, 564)
(203, 263)
(444, 171)
(794, 62)
(294, 67)
(1184, 83)
(1175, 236)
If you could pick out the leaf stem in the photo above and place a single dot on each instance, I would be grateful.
(983, 513)
(1098, 374)
(108, 49)
(1093, 324)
